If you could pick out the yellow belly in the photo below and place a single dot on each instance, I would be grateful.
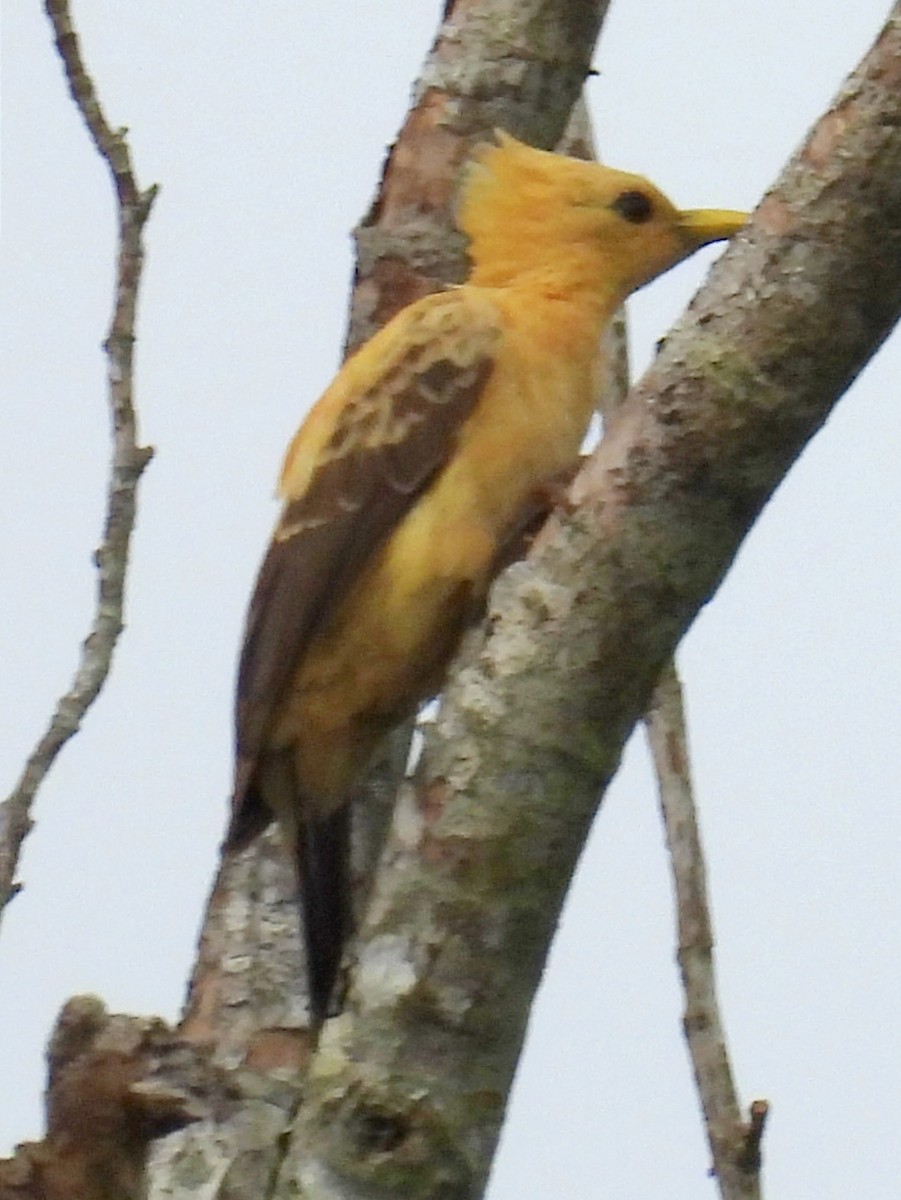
(385, 649)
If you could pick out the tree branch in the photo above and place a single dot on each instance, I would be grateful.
(736, 1168)
(128, 459)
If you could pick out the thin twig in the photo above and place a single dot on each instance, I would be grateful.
(734, 1146)
(128, 459)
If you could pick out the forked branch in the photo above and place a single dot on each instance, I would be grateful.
(128, 458)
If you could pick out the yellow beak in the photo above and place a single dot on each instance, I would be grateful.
(702, 225)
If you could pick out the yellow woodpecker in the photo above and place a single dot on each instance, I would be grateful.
(409, 481)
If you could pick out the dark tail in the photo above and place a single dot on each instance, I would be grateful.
(323, 861)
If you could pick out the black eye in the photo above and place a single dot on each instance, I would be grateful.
(633, 206)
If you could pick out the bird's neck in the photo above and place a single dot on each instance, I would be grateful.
(577, 289)
(567, 305)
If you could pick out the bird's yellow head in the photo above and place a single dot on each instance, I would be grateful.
(535, 216)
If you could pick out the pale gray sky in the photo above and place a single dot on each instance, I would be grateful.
(266, 125)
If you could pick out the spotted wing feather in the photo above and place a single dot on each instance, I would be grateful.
(389, 442)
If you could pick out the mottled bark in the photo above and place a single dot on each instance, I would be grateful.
(115, 1084)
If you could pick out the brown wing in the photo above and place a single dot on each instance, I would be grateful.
(388, 443)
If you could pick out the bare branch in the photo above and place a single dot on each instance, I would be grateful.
(128, 459)
(736, 1165)
(737, 1169)
(664, 724)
